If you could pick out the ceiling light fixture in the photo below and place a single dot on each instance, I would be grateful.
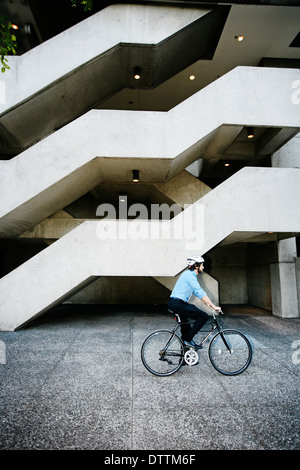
(239, 38)
(137, 73)
(15, 26)
(135, 176)
(250, 132)
(192, 77)
(122, 197)
(227, 164)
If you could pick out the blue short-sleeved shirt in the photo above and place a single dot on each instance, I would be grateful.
(187, 285)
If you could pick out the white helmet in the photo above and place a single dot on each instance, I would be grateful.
(194, 259)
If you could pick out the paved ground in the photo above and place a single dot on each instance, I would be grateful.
(73, 379)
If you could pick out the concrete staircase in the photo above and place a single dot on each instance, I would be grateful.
(251, 202)
(76, 147)
(105, 145)
(76, 70)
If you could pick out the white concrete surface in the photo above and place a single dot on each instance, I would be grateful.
(87, 40)
(288, 156)
(245, 202)
(105, 145)
(284, 280)
(284, 290)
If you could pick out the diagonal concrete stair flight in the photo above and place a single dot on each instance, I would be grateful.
(253, 200)
(106, 145)
(74, 71)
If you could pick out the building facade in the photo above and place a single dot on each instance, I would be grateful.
(143, 133)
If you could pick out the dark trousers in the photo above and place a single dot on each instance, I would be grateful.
(186, 311)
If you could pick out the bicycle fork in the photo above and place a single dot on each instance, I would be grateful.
(225, 342)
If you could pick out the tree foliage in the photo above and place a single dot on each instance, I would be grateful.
(8, 42)
(87, 4)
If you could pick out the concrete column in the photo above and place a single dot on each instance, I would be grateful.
(283, 281)
(297, 265)
(285, 277)
(288, 156)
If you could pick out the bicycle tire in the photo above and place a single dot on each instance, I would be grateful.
(156, 359)
(230, 352)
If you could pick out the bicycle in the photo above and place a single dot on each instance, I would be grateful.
(229, 351)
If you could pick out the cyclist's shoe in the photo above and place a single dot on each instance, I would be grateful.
(192, 344)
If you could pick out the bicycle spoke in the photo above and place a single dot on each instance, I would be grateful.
(230, 352)
(161, 353)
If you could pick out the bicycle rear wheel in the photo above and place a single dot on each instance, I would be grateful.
(161, 353)
(230, 352)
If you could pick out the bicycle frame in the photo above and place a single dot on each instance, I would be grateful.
(215, 326)
(164, 350)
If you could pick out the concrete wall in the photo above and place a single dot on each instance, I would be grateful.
(264, 275)
(285, 276)
(259, 286)
(243, 273)
(258, 275)
(125, 290)
(228, 266)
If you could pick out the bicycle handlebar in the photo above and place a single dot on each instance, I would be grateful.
(215, 311)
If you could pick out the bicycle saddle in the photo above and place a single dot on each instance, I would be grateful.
(177, 317)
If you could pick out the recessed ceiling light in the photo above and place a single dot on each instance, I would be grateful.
(122, 197)
(250, 132)
(137, 73)
(192, 77)
(239, 38)
(135, 176)
(227, 164)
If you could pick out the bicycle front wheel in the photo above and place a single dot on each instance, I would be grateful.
(230, 352)
(162, 353)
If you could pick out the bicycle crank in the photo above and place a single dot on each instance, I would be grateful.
(191, 357)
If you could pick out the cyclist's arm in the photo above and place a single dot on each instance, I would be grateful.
(210, 304)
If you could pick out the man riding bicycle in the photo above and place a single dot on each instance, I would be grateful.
(186, 285)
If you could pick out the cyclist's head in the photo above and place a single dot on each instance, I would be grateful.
(194, 262)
